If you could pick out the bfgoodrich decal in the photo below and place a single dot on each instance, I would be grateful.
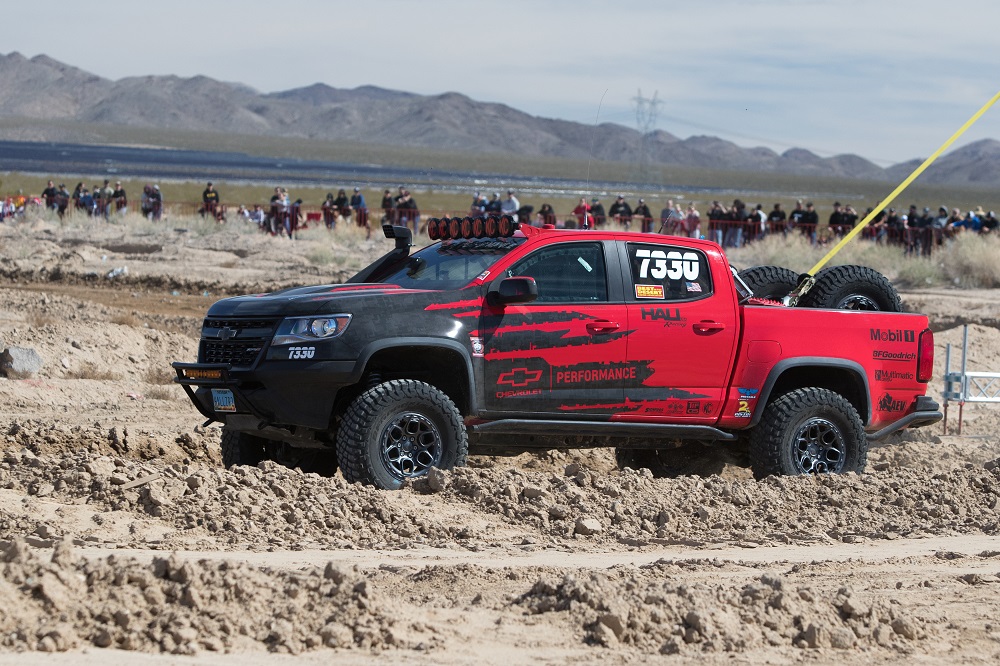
(886, 355)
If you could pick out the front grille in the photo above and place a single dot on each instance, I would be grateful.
(237, 354)
(237, 342)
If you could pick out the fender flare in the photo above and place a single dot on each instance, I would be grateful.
(852, 367)
(369, 350)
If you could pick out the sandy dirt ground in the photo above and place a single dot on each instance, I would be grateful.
(123, 540)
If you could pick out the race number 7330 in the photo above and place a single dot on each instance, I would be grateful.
(673, 265)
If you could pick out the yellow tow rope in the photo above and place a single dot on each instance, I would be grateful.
(895, 193)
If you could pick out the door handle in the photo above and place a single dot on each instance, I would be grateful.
(602, 326)
(708, 327)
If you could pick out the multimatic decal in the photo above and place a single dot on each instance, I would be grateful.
(891, 375)
(892, 335)
(669, 316)
(889, 404)
(886, 355)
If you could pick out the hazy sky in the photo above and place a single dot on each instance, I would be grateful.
(888, 80)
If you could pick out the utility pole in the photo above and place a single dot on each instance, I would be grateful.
(646, 112)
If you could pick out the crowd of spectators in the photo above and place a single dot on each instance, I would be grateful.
(918, 231)
(736, 225)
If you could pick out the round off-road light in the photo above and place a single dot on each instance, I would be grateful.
(455, 227)
(432, 229)
(506, 226)
(467, 227)
(492, 226)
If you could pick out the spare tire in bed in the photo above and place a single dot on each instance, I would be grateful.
(852, 288)
(772, 282)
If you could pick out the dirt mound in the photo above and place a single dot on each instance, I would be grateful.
(632, 507)
(183, 607)
(666, 617)
(271, 506)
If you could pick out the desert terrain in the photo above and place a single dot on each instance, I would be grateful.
(123, 540)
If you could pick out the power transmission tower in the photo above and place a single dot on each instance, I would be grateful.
(646, 112)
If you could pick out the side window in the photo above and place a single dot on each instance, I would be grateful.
(566, 273)
(666, 273)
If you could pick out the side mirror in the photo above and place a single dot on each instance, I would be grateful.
(519, 289)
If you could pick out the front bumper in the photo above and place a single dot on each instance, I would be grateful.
(275, 393)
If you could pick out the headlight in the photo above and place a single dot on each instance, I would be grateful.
(309, 329)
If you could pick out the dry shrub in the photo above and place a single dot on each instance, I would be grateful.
(159, 375)
(38, 320)
(973, 261)
(126, 319)
(91, 371)
(164, 393)
(320, 256)
(969, 261)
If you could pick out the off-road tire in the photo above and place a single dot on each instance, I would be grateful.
(800, 432)
(772, 282)
(240, 448)
(852, 288)
(376, 420)
(688, 460)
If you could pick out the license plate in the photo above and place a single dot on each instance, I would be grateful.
(223, 400)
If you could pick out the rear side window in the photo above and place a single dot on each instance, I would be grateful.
(666, 273)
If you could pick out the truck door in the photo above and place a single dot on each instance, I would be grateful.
(684, 326)
(564, 352)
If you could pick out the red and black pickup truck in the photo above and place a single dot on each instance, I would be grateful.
(520, 337)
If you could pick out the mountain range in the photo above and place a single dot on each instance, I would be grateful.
(41, 88)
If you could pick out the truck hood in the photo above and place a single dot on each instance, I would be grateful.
(304, 300)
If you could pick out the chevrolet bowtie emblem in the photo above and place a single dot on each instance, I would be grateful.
(227, 333)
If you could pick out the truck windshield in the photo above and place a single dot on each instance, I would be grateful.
(448, 264)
